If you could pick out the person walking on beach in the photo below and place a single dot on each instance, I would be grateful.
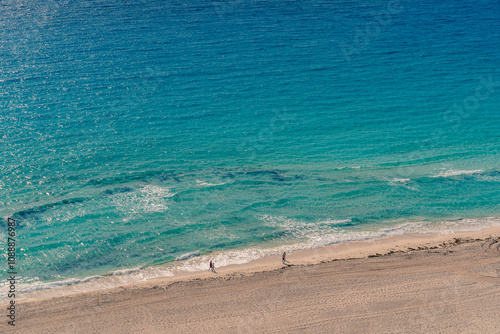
(211, 266)
(283, 258)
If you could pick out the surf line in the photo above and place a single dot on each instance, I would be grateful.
(11, 265)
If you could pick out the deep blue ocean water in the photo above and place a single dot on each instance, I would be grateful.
(136, 134)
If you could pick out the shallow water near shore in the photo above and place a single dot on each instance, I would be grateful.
(147, 137)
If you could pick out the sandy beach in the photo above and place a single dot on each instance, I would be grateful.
(406, 284)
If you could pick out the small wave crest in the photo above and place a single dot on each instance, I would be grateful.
(208, 184)
(401, 180)
(187, 256)
(451, 173)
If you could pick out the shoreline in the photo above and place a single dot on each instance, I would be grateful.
(361, 277)
(341, 251)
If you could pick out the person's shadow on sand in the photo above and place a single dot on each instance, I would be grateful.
(285, 261)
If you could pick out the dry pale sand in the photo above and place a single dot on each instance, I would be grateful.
(434, 289)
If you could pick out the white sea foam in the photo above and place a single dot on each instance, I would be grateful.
(207, 184)
(351, 167)
(405, 183)
(315, 235)
(451, 172)
(187, 256)
(35, 285)
(149, 198)
(401, 180)
(222, 259)
(488, 178)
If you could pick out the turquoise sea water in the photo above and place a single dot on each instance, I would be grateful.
(138, 134)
